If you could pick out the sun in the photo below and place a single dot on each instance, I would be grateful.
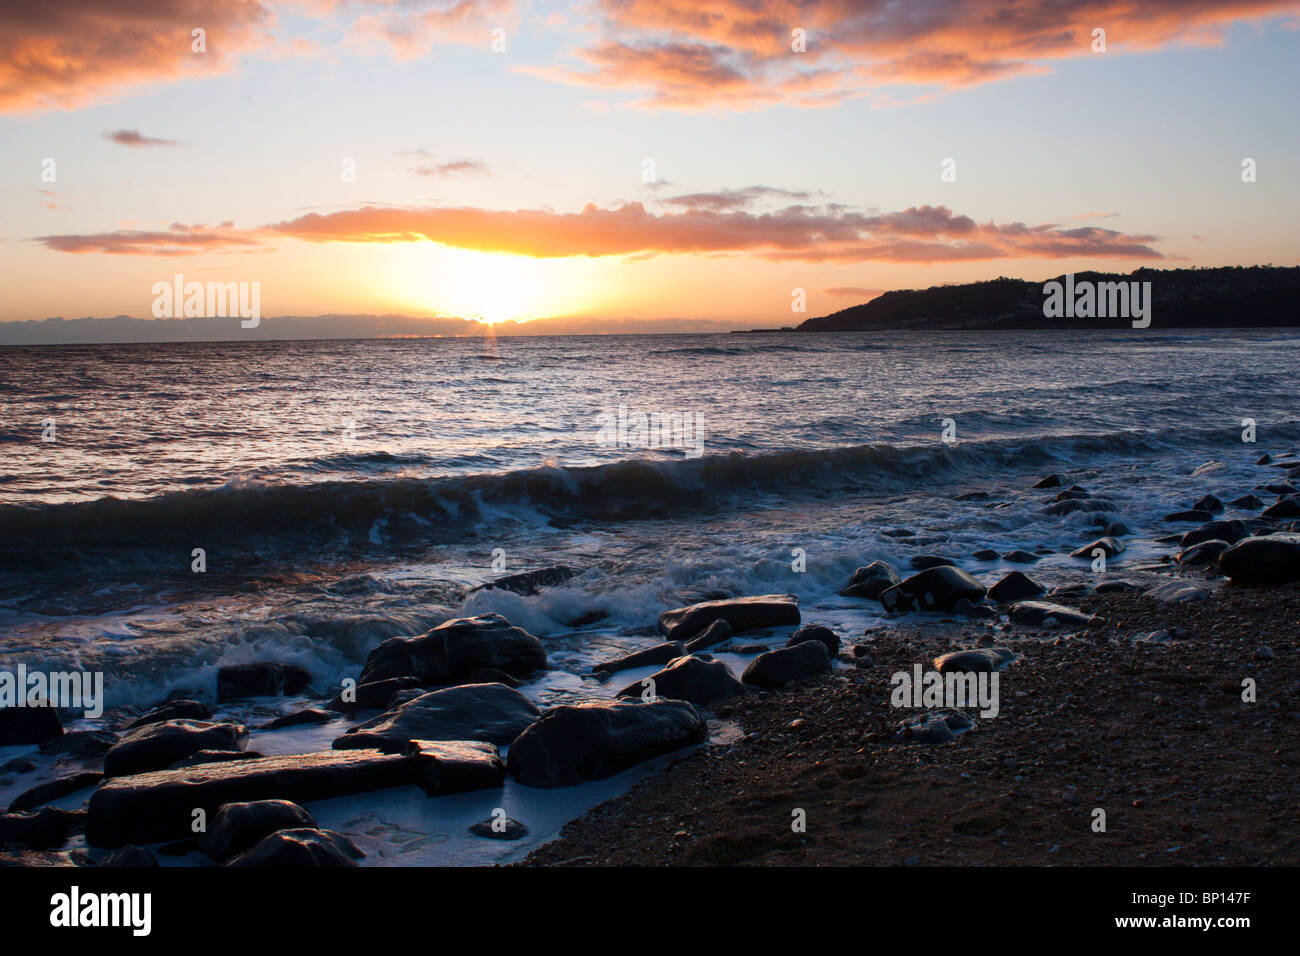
(485, 286)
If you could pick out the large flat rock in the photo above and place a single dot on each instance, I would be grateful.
(491, 712)
(743, 614)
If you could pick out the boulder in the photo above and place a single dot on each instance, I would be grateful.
(1284, 508)
(1208, 503)
(1188, 515)
(299, 848)
(690, 679)
(53, 790)
(504, 828)
(527, 583)
(778, 668)
(1042, 612)
(715, 633)
(574, 743)
(743, 614)
(923, 562)
(1021, 556)
(1268, 559)
(158, 806)
(375, 695)
(28, 725)
(308, 715)
(1111, 547)
(43, 829)
(454, 649)
(238, 826)
(816, 632)
(81, 744)
(868, 582)
(456, 766)
(1230, 531)
(1249, 502)
(180, 709)
(986, 554)
(156, 746)
(651, 657)
(1051, 481)
(215, 756)
(986, 659)
(937, 589)
(1205, 553)
(1015, 586)
(489, 712)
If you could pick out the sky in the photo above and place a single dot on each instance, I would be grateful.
(612, 163)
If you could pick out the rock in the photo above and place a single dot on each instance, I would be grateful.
(238, 826)
(778, 668)
(181, 709)
(936, 589)
(899, 533)
(506, 828)
(965, 608)
(1020, 557)
(1190, 515)
(81, 744)
(158, 806)
(923, 562)
(592, 740)
(1280, 489)
(1093, 505)
(743, 614)
(1117, 587)
(868, 582)
(816, 632)
(1051, 481)
(1229, 531)
(28, 725)
(690, 679)
(1285, 508)
(1264, 460)
(527, 583)
(986, 659)
(156, 746)
(454, 649)
(53, 790)
(456, 766)
(261, 679)
(133, 857)
(43, 829)
(1208, 503)
(1176, 592)
(1069, 592)
(309, 715)
(1041, 612)
(650, 657)
(298, 848)
(1110, 546)
(375, 695)
(23, 765)
(1205, 553)
(489, 712)
(1117, 529)
(1072, 494)
(490, 675)
(986, 554)
(214, 756)
(933, 727)
(746, 649)
(1268, 559)
(1015, 586)
(715, 633)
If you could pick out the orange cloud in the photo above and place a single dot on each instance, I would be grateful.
(832, 233)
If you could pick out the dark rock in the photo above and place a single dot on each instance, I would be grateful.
(1176, 592)
(690, 679)
(1264, 460)
(18, 765)
(375, 695)
(650, 657)
(28, 725)
(816, 632)
(183, 709)
(43, 829)
(933, 727)
(1229, 531)
(1270, 559)
(1190, 515)
(1247, 502)
(1280, 489)
(574, 743)
(868, 582)
(298, 848)
(899, 533)
(490, 675)
(746, 649)
(715, 633)
(1285, 508)
(936, 589)
(453, 650)
(506, 828)
(1117, 529)
(1016, 586)
(261, 679)
(1069, 592)
(1205, 553)
(984, 659)
(743, 614)
(214, 756)
(238, 826)
(129, 857)
(156, 746)
(1051, 481)
(456, 766)
(1039, 612)
(1110, 546)
(490, 712)
(986, 554)
(527, 583)
(154, 807)
(923, 562)
(1059, 509)
(53, 790)
(81, 744)
(1020, 557)
(1072, 494)
(778, 668)
(309, 715)
(1208, 503)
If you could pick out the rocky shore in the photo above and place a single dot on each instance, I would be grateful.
(1143, 713)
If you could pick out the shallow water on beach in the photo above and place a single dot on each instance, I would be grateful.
(346, 492)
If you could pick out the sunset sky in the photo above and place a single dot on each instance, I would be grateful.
(511, 184)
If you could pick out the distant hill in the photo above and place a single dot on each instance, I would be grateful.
(1229, 297)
